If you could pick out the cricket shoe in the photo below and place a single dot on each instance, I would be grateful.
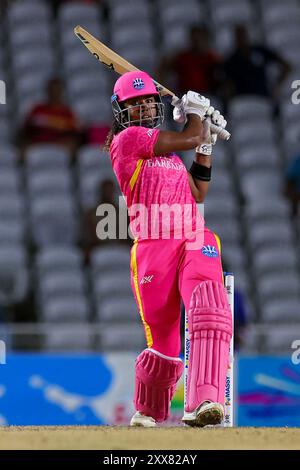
(207, 414)
(140, 420)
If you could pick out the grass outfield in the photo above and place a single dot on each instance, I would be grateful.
(117, 438)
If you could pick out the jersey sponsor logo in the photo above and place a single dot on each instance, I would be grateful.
(159, 162)
(210, 251)
(138, 84)
(147, 279)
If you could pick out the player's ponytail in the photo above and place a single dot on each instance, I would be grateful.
(115, 129)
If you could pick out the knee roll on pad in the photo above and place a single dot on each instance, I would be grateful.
(210, 329)
(155, 382)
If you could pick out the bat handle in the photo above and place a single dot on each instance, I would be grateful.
(222, 133)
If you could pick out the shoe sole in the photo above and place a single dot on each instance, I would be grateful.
(210, 417)
(142, 426)
(139, 424)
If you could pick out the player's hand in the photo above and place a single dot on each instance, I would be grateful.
(218, 119)
(179, 115)
(191, 103)
(194, 103)
(178, 111)
(209, 138)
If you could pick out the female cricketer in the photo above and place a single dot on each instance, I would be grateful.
(165, 265)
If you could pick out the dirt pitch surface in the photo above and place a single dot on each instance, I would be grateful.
(120, 438)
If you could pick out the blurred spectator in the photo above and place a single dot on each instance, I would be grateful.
(292, 184)
(196, 68)
(246, 69)
(107, 195)
(57, 3)
(52, 121)
(96, 134)
(3, 6)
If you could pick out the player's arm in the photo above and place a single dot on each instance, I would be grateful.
(172, 141)
(195, 108)
(200, 171)
(199, 187)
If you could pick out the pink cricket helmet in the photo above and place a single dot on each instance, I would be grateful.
(132, 84)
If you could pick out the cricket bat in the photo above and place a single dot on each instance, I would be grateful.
(120, 65)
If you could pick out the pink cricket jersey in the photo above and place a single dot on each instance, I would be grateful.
(152, 180)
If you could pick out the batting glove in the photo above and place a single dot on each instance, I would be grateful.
(209, 138)
(218, 119)
(179, 115)
(190, 103)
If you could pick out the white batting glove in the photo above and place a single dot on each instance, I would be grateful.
(194, 103)
(209, 138)
(179, 115)
(191, 103)
(218, 119)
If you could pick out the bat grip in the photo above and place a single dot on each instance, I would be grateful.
(222, 133)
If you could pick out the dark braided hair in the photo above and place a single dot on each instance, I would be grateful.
(115, 129)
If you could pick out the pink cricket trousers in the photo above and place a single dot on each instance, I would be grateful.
(162, 273)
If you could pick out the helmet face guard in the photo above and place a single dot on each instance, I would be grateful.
(132, 85)
(122, 114)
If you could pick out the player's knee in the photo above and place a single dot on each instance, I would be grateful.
(209, 309)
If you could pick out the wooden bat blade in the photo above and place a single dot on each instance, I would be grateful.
(108, 57)
(105, 55)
